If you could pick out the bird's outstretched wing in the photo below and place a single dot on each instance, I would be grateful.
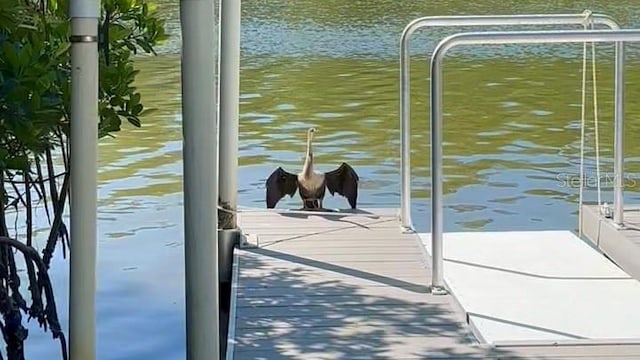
(344, 181)
(279, 184)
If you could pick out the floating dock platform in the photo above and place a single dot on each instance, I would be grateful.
(539, 288)
(352, 285)
(620, 244)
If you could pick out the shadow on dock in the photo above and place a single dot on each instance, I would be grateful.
(382, 280)
(285, 312)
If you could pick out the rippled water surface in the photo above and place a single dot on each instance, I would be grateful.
(512, 131)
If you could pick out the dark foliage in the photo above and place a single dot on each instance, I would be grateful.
(34, 125)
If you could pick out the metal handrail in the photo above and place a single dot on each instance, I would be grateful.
(498, 37)
(481, 20)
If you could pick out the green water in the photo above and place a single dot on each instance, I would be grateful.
(512, 138)
(512, 113)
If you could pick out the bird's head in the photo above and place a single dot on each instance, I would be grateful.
(310, 132)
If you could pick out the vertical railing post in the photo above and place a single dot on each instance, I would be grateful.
(437, 226)
(200, 161)
(229, 107)
(405, 135)
(618, 164)
(83, 140)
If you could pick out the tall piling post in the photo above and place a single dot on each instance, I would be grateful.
(200, 161)
(84, 16)
(229, 108)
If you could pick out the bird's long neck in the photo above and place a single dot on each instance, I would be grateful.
(307, 169)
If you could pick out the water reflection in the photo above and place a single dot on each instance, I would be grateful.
(512, 130)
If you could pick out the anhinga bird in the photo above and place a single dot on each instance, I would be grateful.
(312, 184)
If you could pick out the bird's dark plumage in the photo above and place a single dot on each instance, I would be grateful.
(279, 184)
(343, 181)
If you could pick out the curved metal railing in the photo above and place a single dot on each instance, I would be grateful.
(486, 20)
(506, 37)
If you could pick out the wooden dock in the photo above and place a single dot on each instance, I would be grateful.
(353, 286)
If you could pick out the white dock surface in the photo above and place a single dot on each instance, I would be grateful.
(539, 287)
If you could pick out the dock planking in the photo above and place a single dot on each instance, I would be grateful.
(353, 286)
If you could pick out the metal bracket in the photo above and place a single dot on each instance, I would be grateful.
(407, 230)
(439, 290)
(606, 211)
(83, 38)
(249, 241)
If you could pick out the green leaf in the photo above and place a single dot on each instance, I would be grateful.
(35, 101)
(135, 121)
(63, 49)
(52, 4)
(134, 99)
(137, 109)
(19, 162)
(117, 100)
(145, 45)
(10, 55)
